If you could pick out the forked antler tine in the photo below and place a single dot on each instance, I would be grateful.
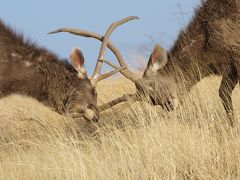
(106, 38)
(126, 97)
(108, 74)
(126, 72)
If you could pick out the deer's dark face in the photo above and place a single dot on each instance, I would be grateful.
(157, 86)
(82, 103)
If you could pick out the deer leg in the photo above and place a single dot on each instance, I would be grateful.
(229, 81)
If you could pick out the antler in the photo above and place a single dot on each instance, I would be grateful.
(106, 43)
(104, 46)
(126, 97)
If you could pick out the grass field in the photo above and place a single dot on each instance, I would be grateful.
(131, 141)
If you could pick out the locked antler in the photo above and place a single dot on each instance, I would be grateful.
(123, 69)
(106, 43)
(125, 97)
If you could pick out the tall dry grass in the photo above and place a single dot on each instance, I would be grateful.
(131, 141)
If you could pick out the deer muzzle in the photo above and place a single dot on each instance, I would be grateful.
(90, 115)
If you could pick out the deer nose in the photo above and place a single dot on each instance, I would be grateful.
(91, 115)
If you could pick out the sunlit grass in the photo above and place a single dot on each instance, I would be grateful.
(131, 141)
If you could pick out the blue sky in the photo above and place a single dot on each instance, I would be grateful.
(160, 22)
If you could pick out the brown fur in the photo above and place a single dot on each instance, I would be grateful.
(209, 45)
(29, 70)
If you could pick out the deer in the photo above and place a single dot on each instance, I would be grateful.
(209, 45)
(30, 70)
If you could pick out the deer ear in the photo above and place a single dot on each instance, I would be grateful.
(157, 60)
(77, 60)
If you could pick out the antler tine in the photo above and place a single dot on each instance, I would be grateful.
(108, 74)
(126, 97)
(125, 71)
(106, 38)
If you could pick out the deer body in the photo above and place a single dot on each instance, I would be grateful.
(29, 70)
(211, 42)
(209, 45)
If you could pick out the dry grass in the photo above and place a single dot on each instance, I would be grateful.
(131, 141)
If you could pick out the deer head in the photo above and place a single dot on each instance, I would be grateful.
(155, 86)
(78, 61)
